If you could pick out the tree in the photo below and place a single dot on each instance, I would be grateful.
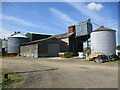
(0, 43)
(117, 47)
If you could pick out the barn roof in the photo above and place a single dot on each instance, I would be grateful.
(38, 33)
(36, 41)
(60, 36)
(64, 35)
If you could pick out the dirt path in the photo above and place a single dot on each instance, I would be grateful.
(69, 74)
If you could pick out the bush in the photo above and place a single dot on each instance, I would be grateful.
(87, 51)
(68, 54)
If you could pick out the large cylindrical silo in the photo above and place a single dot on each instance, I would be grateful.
(103, 40)
(15, 41)
(5, 44)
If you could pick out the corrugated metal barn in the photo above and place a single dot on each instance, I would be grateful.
(43, 48)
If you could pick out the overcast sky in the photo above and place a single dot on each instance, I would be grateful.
(55, 17)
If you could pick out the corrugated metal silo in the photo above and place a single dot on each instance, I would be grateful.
(103, 40)
(5, 44)
(15, 41)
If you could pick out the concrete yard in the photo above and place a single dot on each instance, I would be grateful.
(69, 73)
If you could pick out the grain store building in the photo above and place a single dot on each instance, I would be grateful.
(75, 43)
(43, 48)
(52, 45)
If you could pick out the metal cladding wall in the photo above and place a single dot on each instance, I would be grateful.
(33, 36)
(103, 41)
(5, 44)
(14, 44)
(83, 28)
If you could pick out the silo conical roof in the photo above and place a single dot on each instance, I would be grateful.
(102, 28)
(18, 34)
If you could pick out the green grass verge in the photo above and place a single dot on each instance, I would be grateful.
(12, 81)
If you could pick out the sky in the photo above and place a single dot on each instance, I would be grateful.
(55, 17)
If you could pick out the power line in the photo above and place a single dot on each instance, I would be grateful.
(96, 24)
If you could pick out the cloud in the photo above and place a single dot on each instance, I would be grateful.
(94, 6)
(107, 21)
(41, 26)
(5, 33)
(18, 20)
(66, 18)
(95, 16)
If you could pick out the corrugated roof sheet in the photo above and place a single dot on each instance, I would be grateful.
(102, 28)
(38, 33)
(64, 35)
(60, 36)
(37, 41)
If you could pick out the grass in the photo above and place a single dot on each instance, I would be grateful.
(12, 81)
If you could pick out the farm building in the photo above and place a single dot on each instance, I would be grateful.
(43, 48)
(41, 45)
(75, 43)
(53, 45)
(36, 36)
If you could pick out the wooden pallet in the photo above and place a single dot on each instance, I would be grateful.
(93, 55)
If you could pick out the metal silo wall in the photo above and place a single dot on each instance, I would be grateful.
(103, 42)
(5, 44)
(14, 44)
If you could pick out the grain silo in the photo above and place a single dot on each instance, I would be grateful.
(103, 40)
(15, 41)
(5, 44)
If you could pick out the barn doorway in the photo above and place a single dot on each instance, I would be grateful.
(53, 49)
